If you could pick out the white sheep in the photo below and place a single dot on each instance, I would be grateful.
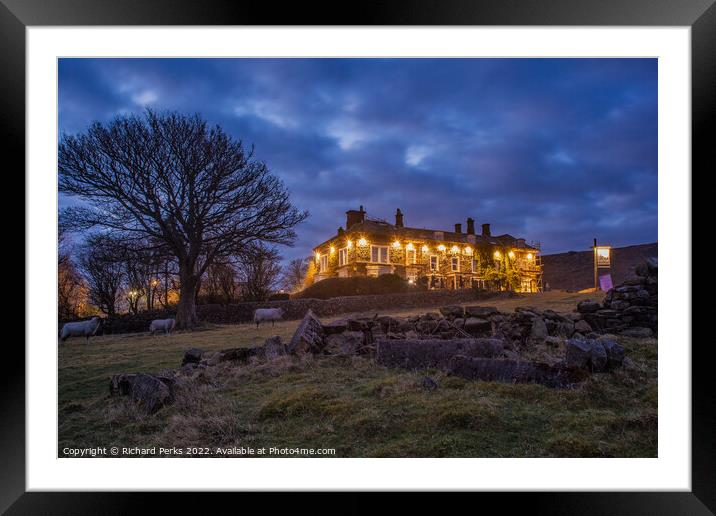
(165, 325)
(80, 329)
(267, 314)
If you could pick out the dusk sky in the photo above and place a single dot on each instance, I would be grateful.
(553, 150)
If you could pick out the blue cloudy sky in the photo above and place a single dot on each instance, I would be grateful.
(554, 150)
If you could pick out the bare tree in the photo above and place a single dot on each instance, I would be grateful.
(219, 284)
(173, 181)
(294, 275)
(71, 291)
(260, 272)
(102, 271)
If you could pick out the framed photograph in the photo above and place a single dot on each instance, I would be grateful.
(412, 250)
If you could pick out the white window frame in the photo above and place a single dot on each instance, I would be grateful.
(473, 263)
(379, 248)
(437, 262)
(452, 264)
(415, 256)
(323, 263)
(342, 256)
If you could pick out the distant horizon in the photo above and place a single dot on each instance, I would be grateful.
(552, 150)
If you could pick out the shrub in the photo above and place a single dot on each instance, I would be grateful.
(356, 286)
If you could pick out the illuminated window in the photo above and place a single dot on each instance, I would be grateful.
(455, 263)
(433, 263)
(379, 254)
(410, 257)
(342, 256)
(473, 265)
(324, 263)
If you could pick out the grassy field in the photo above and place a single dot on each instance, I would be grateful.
(352, 405)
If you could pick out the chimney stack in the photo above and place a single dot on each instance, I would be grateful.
(470, 226)
(486, 230)
(458, 228)
(354, 217)
(399, 218)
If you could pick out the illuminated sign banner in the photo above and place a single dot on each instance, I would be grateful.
(604, 256)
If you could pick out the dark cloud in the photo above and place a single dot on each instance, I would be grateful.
(554, 150)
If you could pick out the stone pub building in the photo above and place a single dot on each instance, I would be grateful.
(436, 259)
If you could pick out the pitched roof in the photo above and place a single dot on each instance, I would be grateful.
(384, 228)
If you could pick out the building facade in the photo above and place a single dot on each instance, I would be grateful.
(433, 258)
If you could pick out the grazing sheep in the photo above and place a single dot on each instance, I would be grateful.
(165, 325)
(267, 314)
(80, 329)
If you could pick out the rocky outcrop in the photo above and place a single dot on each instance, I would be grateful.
(630, 308)
(149, 392)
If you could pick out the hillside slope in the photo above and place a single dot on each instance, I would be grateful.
(574, 270)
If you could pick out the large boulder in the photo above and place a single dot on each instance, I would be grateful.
(587, 354)
(538, 331)
(433, 353)
(309, 336)
(192, 356)
(588, 306)
(149, 392)
(614, 351)
(582, 326)
(477, 325)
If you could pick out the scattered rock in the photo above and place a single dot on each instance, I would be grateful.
(539, 330)
(192, 355)
(273, 347)
(587, 354)
(614, 351)
(582, 326)
(476, 325)
(588, 306)
(149, 392)
(309, 336)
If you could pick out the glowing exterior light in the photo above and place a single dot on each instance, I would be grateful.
(603, 252)
(349, 244)
(362, 242)
(530, 256)
(441, 247)
(455, 249)
(468, 251)
(396, 244)
(511, 254)
(410, 247)
(426, 249)
(497, 255)
(318, 256)
(333, 250)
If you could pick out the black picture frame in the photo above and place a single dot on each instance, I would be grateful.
(700, 15)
